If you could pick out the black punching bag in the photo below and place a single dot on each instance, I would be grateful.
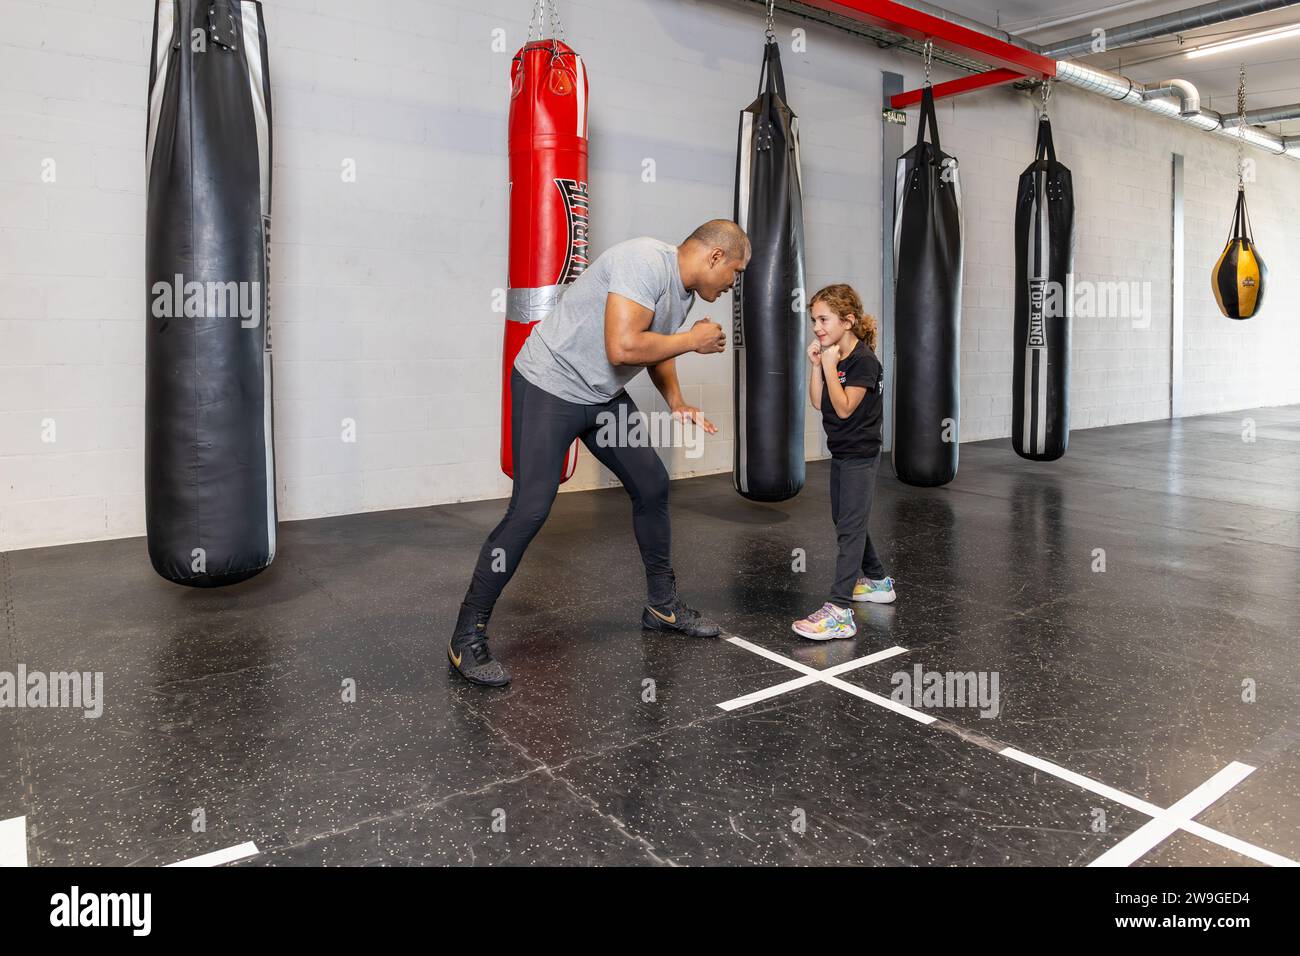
(1040, 421)
(769, 326)
(209, 468)
(927, 309)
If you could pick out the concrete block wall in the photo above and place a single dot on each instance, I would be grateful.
(1226, 363)
(1120, 357)
(383, 282)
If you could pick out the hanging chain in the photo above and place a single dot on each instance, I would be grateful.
(557, 28)
(1045, 91)
(1241, 128)
(927, 55)
(537, 22)
(771, 21)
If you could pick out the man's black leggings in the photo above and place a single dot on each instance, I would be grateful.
(542, 428)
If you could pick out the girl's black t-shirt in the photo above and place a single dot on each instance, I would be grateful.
(859, 434)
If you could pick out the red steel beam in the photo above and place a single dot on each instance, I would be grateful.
(920, 26)
(976, 81)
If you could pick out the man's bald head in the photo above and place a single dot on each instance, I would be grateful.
(711, 257)
(725, 235)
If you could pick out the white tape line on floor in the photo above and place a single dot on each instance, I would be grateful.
(13, 842)
(219, 857)
(1164, 822)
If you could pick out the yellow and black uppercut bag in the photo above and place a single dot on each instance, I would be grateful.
(1240, 275)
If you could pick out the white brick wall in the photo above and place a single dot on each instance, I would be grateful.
(382, 288)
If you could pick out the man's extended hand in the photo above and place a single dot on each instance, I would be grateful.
(707, 337)
(684, 413)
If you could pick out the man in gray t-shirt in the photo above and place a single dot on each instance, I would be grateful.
(566, 356)
(625, 313)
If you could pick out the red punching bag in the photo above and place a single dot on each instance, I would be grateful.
(548, 200)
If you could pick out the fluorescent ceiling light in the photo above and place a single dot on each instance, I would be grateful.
(1262, 37)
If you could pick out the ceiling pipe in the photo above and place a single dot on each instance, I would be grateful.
(1124, 90)
(1188, 109)
(1121, 88)
(1269, 114)
(1074, 17)
(1189, 99)
(1153, 28)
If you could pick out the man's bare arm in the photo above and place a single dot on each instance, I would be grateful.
(664, 375)
(629, 341)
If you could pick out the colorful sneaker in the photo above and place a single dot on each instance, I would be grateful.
(876, 592)
(826, 623)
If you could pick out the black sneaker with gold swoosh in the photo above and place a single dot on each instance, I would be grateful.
(468, 651)
(475, 663)
(678, 616)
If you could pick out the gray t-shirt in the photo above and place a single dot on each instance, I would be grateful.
(565, 355)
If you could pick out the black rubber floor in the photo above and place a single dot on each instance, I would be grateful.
(1150, 678)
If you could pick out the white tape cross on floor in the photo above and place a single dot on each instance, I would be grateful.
(13, 848)
(13, 842)
(220, 857)
(1163, 824)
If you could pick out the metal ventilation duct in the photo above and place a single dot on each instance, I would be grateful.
(1121, 88)
(1271, 114)
(1207, 14)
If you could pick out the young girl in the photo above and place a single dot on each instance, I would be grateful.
(846, 384)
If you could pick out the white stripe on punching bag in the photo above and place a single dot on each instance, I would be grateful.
(746, 146)
(1027, 398)
(1031, 269)
(166, 28)
(741, 478)
(1034, 371)
(798, 161)
(250, 14)
(954, 171)
(1044, 271)
(900, 186)
(900, 192)
(257, 89)
(268, 408)
(581, 70)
